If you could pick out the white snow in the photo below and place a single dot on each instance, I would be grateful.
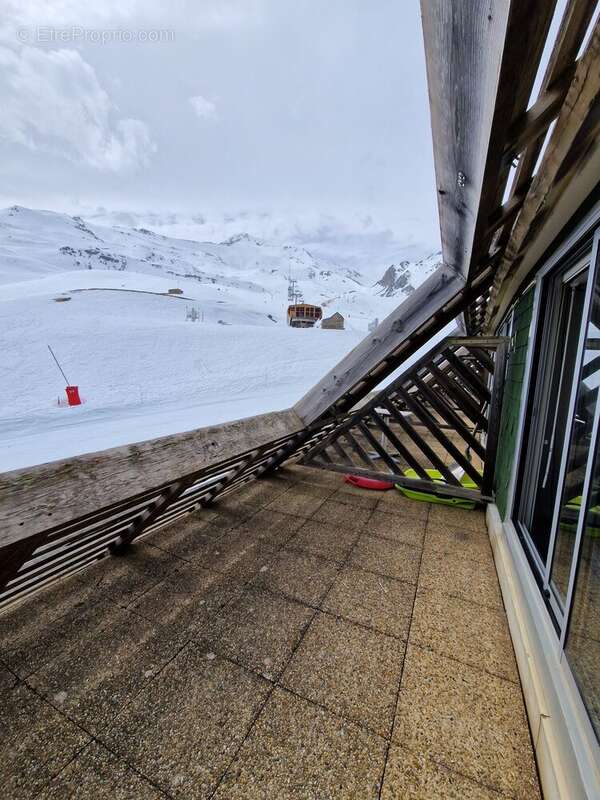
(142, 369)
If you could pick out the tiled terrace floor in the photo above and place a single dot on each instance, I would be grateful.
(302, 640)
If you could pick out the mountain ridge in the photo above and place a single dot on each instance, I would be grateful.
(35, 243)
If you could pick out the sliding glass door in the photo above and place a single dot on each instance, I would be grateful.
(557, 502)
(564, 299)
(577, 457)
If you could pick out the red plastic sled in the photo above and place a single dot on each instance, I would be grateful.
(368, 483)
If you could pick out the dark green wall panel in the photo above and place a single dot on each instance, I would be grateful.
(511, 402)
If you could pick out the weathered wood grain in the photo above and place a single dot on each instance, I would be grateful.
(463, 49)
(479, 83)
(576, 18)
(574, 137)
(42, 497)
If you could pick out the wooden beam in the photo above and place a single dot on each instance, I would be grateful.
(576, 18)
(37, 498)
(535, 121)
(398, 328)
(479, 82)
(578, 123)
(506, 213)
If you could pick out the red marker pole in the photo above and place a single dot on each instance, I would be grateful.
(73, 398)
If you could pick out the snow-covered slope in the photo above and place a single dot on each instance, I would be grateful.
(247, 276)
(99, 295)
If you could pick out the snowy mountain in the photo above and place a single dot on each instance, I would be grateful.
(243, 275)
(114, 303)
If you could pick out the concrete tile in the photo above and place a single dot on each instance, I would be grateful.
(314, 488)
(37, 741)
(188, 599)
(123, 578)
(42, 637)
(186, 725)
(351, 671)
(27, 629)
(259, 492)
(475, 635)
(342, 515)
(97, 774)
(472, 520)
(394, 502)
(354, 496)
(460, 577)
(236, 554)
(411, 776)
(260, 630)
(326, 541)
(379, 602)
(299, 500)
(387, 558)
(297, 750)
(185, 538)
(230, 511)
(291, 472)
(470, 721)
(238, 499)
(298, 575)
(97, 676)
(397, 528)
(463, 542)
(302, 474)
(273, 529)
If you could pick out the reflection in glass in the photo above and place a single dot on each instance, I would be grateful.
(578, 454)
(583, 643)
(553, 396)
(581, 436)
(583, 640)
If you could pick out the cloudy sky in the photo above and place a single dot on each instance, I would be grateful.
(281, 112)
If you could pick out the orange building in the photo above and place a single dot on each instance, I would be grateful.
(303, 315)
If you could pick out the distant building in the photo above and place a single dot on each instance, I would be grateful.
(335, 322)
(303, 315)
(175, 291)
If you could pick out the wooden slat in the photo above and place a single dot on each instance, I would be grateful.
(341, 452)
(573, 139)
(453, 419)
(384, 455)
(360, 451)
(535, 121)
(437, 433)
(367, 356)
(36, 498)
(463, 400)
(483, 358)
(576, 18)
(150, 515)
(402, 450)
(468, 378)
(430, 454)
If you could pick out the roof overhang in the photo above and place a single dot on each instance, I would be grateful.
(482, 63)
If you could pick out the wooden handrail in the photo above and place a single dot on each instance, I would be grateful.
(45, 496)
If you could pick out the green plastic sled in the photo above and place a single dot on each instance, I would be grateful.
(428, 497)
